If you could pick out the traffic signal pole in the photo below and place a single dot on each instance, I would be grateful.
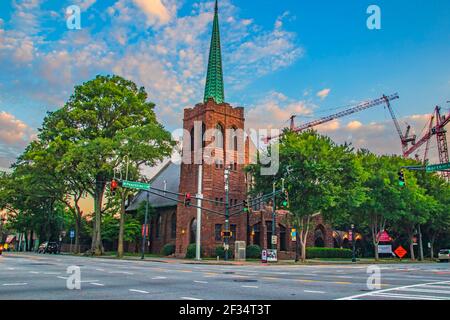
(273, 218)
(199, 213)
(227, 213)
(144, 236)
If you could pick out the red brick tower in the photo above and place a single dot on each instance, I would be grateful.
(213, 114)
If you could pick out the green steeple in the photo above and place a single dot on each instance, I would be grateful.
(214, 78)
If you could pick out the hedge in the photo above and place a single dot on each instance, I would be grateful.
(312, 253)
(253, 251)
(191, 251)
(220, 252)
(168, 249)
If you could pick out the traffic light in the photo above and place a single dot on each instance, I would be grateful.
(187, 200)
(246, 209)
(285, 200)
(401, 178)
(227, 234)
(114, 186)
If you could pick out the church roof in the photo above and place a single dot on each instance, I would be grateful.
(169, 175)
(214, 78)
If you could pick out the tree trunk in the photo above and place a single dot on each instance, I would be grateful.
(420, 244)
(97, 247)
(411, 247)
(121, 228)
(433, 238)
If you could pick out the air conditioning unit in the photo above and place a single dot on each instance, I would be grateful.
(240, 250)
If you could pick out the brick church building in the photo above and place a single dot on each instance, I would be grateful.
(173, 223)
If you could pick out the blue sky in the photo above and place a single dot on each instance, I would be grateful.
(280, 58)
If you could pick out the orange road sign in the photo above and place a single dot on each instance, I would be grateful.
(400, 252)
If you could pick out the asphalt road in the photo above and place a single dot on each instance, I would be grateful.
(32, 276)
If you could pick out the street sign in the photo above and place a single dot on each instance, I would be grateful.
(136, 185)
(400, 252)
(274, 240)
(387, 249)
(384, 237)
(72, 234)
(294, 235)
(438, 167)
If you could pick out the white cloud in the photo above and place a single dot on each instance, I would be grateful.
(154, 9)
(322, 94)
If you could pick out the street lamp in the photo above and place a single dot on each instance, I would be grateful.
(353, 244)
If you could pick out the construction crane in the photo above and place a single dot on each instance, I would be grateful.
(358, 108)
(437, 130)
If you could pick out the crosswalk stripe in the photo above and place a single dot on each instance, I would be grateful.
(404, 296)
(426, 290)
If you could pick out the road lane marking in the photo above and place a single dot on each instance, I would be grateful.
(447, 292)
(305, 280)
(197, 281)
(190, 298)
(313, 291)
(138, 291)
(408, 297)
(15, 284)
(390, 290)
(185, 270)
(52, 273)
(342, 282)
(97, 284)
(34, 272)
(253, 287)
(270, 278)
(11, 269)
(159, 278)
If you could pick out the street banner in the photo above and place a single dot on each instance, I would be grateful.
(385, 249)
(144, 229)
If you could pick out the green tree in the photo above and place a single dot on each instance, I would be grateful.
(105, 120)
(320, 176)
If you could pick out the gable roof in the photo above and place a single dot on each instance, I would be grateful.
(170, 174)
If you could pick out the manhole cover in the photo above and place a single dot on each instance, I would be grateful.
(228, 272)
(245, 280)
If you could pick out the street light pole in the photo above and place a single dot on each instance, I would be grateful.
(273, 218)
(199, 214)
(353, 244)
(227, 213)
(144, 236)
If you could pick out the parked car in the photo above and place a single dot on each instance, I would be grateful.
(48, 247)
(444, 255)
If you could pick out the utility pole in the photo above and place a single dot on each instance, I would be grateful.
(420, 243)
(273, 218)
(227, 213)
(144, 236)
(199, 213)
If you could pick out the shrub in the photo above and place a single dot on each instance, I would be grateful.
(220, 252)
(168, 249)
(191, 251)
(312, 253)
(253, 251)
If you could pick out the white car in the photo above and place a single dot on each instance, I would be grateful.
(444, 255)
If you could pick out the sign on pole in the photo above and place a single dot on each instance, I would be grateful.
(438, 167)
(145, 230)
(72, 234)
(400, 252)
(272, 255)
(136, 185)
(294, 235)
(385, 249)
(274, 240)
(264, 256)
(384, 237)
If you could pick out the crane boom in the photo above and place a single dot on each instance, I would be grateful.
(360, 107)
(437, 129)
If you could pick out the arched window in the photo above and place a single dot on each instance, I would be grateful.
(192, 133)
(219, 134)
(173, 226)
(193, 231)
(234, 139)
(158, 226)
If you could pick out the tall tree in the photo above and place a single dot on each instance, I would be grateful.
(105, 120)
(320, 176)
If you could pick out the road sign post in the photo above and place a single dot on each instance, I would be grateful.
(72, 235)
(400, 252)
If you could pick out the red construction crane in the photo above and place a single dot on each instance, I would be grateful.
(358, 108)
(437, 130)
